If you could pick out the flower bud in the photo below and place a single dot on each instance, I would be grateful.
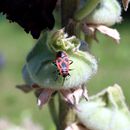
(107, 13)
(105, 111)
(100, 12)
(44, 73)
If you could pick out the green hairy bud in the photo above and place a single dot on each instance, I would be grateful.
(105, 111)
(105, 12)
(40, 69)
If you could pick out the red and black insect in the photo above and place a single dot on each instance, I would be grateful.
(62, 63)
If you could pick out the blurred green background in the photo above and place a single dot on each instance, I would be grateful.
(113, 61)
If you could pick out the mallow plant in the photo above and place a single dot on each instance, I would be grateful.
(61, 62)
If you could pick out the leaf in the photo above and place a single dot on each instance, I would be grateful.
(90, 30)
(73, 96)
(76, 126)
(79, 93)
(44, 97)
(68, 96)
(33, 15)
(125, 4)
(25, 88)
(113, 33)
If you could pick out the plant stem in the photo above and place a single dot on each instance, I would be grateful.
(66, 114)
(68, 8)
(53, 111)
(88, 7)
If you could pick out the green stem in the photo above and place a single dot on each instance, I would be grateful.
(88, 7)
(89, 40)
(68, 8)
(66, 114)
(53, 111)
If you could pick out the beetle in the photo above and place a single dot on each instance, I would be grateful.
(62, 63)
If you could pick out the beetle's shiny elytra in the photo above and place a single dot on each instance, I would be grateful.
(62, 63)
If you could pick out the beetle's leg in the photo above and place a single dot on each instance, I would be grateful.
(67, 76)
(70, 62)
(54, 63)
(70, 69)
(56, 71)
(57, 76)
